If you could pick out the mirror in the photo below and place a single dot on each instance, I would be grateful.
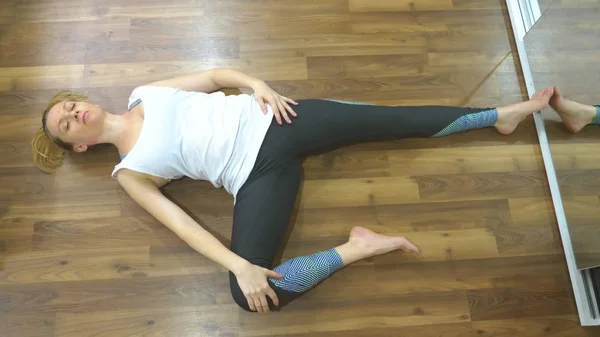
(563, 50)
(558, 43)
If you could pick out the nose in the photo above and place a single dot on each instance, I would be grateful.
(74, 114)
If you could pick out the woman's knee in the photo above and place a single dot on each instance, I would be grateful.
(242, 302)
(237, 294)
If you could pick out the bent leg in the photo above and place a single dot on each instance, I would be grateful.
(304, 272)
(261, 217)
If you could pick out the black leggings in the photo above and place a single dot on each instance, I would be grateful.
(265, 202)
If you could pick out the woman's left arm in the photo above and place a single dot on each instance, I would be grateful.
(229, 78)
(215, 79)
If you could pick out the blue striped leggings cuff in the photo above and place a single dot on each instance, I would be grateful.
(304, 272)
(348, 102)
(476, 120)
(596, 119)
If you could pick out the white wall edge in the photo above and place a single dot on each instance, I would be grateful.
(523, 15)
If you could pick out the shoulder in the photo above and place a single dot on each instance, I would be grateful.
(153, 88)
(149, 91)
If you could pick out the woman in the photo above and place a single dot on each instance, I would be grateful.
(251, 147)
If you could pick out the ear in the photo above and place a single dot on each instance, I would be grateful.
(80, 148)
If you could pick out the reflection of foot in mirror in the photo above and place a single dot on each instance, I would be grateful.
(510, 116)
(574, 115)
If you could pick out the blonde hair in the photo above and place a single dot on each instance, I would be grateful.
(48, 150)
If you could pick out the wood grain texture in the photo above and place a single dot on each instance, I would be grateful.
(79, 258)
(543, 297)
(556, 326)
(396, 6)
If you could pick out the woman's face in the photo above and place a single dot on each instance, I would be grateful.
(78, 123)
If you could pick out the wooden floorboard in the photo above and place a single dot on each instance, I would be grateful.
(79, 258)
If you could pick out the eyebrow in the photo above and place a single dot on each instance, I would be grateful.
(61, 119)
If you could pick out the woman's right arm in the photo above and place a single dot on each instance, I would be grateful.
(147, 194)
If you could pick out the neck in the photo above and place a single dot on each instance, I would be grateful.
(118, 130)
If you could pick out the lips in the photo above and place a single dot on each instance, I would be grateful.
(84, 117)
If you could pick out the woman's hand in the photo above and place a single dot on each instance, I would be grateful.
(263, 93)
(252, 279)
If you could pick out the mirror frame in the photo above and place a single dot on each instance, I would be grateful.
(523, 16)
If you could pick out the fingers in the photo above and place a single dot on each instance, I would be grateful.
(290, 100)
(251, 303)
(254, 284)
(281, 109)
(261, 102)
(275, 108)
(286, 101)
(264, 304)
(289, 109)
(276, 114)
(273, 274)
(257, 301)
(273, 297)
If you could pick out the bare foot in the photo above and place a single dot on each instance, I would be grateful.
(373, 244)
(510, 116)
(574, 115)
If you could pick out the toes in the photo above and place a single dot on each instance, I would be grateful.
(557, 91)
(544, 94)
(410, 247)
(414, 251)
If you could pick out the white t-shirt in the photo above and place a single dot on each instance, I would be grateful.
(198, 135)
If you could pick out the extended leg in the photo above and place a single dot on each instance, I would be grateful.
(327, 124)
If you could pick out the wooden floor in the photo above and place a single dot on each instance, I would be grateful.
(79, 258)
(562, 48)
